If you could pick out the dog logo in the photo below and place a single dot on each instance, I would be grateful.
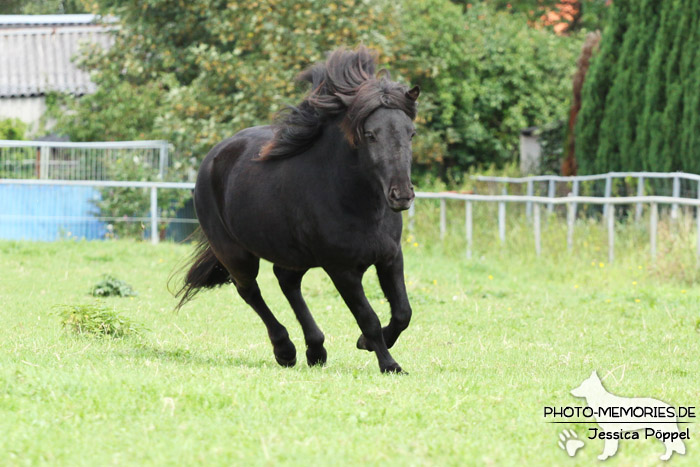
(623, 418)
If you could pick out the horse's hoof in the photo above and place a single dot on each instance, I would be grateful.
(362, 343)
(316, 356)
(286, 357)
(393, 368)
(286, 362)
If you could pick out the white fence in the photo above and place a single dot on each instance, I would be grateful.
(22, 208)
(82, 161)
(576, 181)
(571, 202)
(536, 202)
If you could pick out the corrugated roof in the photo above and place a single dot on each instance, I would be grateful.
(44, 20)
(36, 60)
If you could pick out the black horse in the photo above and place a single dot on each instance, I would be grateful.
(323, 188)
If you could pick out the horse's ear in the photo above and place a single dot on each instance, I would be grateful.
(413, 93)
(345, 99)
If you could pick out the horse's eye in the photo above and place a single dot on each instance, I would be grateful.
(369, 136)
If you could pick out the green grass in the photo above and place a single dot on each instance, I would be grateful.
(493, 340)
(96, 320)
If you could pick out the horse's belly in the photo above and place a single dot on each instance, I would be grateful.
(355, 249)
(274, 242)
(286, 246)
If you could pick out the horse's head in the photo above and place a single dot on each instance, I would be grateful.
(374, 113)
(385, 153)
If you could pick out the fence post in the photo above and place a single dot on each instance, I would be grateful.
(576, 192)
(676, 194)
(443, 219)
(411, 215)
(502, 221)
(570, 219)
(654, 218)
(528, 205)
(551, 193)
(608, 193)
(611, 233)
(538, 244)
(697, 224)
(640, 192)
(44, 156)
(154, 215)
(163, 162)
(468, 222)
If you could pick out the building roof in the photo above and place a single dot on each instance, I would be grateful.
(48, 20)
(36, 53)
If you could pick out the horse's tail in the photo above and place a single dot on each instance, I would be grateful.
(205, 272)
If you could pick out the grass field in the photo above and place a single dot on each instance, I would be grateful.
(493, 340)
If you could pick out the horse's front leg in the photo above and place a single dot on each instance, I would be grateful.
(349, 284)
(391, 280)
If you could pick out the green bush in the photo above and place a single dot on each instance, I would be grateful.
(197, 74)
(485, 75)
(12, 128)
(18, 162)
(124, 203)
(110, 286)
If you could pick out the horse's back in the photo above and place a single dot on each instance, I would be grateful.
(225, 156)
(245, 144)
(215, 172)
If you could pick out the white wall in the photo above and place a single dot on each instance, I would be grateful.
(27, 109)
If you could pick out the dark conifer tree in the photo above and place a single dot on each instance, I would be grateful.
(689, 144)
(599, 80)
(641, 99)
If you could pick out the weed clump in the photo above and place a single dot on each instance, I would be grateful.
(96, 320)
(109, 286)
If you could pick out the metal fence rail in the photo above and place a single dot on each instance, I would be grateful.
(152, 217)
(82, 161)
(583, 178)
(571, 202)
(552, 180)
(469, 199)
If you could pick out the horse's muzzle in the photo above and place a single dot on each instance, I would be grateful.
(400, 199)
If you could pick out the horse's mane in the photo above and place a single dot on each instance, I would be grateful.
(344, 84)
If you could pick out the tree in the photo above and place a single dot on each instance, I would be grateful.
(622, 107)
(196, 72)
(565, 16)
(596, 89)
(485, 77)
(569, 166)
(639, 108)
(690, 66)
(41, 7)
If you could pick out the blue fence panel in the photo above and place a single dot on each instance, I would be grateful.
(47, 213)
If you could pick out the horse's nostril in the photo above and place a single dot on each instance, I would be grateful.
(394, 193)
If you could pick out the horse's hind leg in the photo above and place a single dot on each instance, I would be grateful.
(290, 283)
(243, 268)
